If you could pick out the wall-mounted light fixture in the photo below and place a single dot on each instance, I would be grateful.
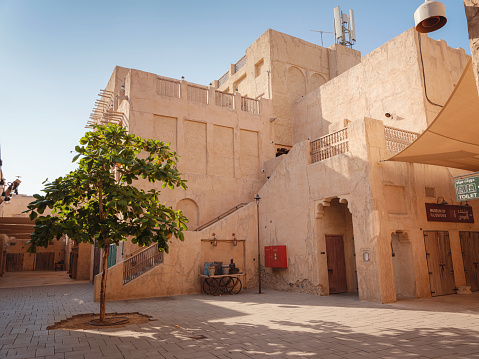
(443, 202)
(430, 16)
(235, 240)
(215, 241)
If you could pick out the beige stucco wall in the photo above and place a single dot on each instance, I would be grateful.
(17, 205)
(221, 149)
(388, 80)
(382, 199)
(181, 267)
(291, 68)
(21, 246)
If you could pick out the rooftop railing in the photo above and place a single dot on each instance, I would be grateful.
(223, 78)
(331, 145)
(239, 65)
(397, 139)
(168, 87)
(197, 93)
(250, 105)
(224, 99)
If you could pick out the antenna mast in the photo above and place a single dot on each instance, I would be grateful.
(344, 27)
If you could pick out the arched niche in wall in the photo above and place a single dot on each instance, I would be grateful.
(296, 82)
(190, 211)
(315, 81)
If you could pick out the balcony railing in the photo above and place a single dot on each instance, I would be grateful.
(141, 262)
(223, 79)
(224, 99)
(197, 93)
(240, 63)
(250, 105)
(397, 140)
(331, 145)
(168, 87)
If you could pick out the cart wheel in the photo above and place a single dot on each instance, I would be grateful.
(214, 286)
(226, 284)
(234, 285)
(206, 286)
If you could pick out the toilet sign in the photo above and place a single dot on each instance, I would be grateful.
(467, 188)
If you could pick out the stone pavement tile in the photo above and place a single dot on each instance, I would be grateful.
(74, 356)
(45, 351)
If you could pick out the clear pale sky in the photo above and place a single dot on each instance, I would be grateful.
(55, 55)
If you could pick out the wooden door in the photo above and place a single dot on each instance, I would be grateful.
(470, 258)
(45, 261)
(73, 263)
(439, 262)
(14, 262)
(336, 264)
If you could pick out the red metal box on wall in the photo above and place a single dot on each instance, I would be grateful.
(275, 257)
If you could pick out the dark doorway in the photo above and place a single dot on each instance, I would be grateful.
(470, 258)
(14, 262)
(439, 262)
(336, 264)
(45, 261)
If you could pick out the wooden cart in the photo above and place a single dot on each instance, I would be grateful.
(222, 284)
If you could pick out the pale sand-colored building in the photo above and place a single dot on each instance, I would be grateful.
(15, 229)
(350, 221)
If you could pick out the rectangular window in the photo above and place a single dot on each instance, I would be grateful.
(259, 67)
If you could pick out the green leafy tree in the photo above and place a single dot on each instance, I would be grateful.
(100, 200)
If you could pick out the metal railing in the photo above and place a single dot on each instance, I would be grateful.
(197, 93)
(221, 216)
(224, 99)
(331, 145)
(168, 87)
(141, 262)
(397, 140)
(250, 105)
(223, 78)
(240, 63)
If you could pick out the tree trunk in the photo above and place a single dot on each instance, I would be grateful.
(106, 250)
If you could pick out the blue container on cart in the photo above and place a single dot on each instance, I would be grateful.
(207, 268)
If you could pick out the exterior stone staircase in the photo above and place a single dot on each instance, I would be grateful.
(220, 217)
(141, 262)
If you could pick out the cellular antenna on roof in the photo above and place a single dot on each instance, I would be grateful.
(344, 27)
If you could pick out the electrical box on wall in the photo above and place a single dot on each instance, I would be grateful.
(275, 257)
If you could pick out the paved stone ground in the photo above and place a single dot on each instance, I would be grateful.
(274, 324)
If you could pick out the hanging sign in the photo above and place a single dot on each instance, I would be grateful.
(446, 213)
(467, 188)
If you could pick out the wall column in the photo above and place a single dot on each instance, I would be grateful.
(472, 15)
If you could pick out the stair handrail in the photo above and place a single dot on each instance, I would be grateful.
(141, 262)
(221, 216)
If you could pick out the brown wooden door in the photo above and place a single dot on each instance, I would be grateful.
(73, 263)
(439, 262)
(336, 264)
(470, 258)
(14, 262)
(45, 261)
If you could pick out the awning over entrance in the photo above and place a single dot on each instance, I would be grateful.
(452, 139)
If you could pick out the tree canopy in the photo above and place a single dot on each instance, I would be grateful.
(101, 201)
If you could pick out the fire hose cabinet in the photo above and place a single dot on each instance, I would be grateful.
(275, 256)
